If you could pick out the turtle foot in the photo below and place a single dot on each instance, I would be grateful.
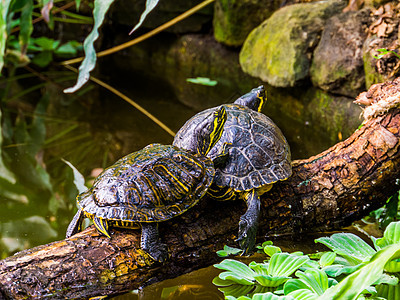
(158, 252)
(247, 236)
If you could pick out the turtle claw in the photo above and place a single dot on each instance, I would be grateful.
(247, 236)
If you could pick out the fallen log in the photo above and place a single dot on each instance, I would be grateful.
(325, 192)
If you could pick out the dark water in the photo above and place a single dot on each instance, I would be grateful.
(91, 129)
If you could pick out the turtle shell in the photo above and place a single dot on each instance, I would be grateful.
(258, 155)
(152, 185)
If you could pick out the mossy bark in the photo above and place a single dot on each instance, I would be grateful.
(325, 192)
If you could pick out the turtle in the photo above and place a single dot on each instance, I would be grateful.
(250, 156)
(149, 186)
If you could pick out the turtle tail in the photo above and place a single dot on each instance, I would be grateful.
(101, 225)
(76, 224)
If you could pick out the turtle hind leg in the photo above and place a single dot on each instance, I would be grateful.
(101, 225)
(249, 222)
(151, 242)
(76, 224)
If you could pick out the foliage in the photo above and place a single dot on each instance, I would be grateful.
(384, 51)
(17, 15)
(202, 81)
(100, 9)
(390, 212)
(228, 251)
(351, 270)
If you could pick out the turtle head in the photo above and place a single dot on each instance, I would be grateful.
(255, 99)
(210, 132)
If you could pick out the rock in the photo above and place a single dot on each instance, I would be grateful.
(337, 64)
(232, 23)
(378, 66)
(127, 12)
(339, 114)
(279, 51)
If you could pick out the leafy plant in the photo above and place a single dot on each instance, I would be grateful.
(228, 251)
(202, 81)
(384, 51)
(100, 9)
(322, 279)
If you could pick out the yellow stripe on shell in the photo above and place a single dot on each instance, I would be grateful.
(183, 186)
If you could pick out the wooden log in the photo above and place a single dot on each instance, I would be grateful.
(325, 192)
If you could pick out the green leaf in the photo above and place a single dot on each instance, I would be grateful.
(68, 49)
(271, 250)
(79, 180)
(336, 270)
(285, 264)
(348, 245)
(236, 290)
(150, 5)
(100, 9)
(5, 173)
(271, 281)
(388, 292)
(202, 81)
(354, 284)
(5, 4)
(236, 278)
(236, 267)
(390, 236)
(327, 259)
(228, 251)
(270, 296)
(43, 59)
(46, 44)
(26, 25)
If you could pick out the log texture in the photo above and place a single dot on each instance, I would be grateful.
(325, 192)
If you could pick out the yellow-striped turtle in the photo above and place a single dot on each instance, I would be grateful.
(257, 155)
(152, 185)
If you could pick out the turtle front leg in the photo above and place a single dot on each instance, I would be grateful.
(249, 222)
(151, 242)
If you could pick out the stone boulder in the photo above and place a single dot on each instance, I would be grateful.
(337, 64)
(232, 23)
(279, 51)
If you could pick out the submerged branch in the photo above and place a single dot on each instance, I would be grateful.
(326, 191)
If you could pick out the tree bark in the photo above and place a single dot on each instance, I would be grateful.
(325, 192)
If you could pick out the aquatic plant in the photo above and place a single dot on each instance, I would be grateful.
(351, 270)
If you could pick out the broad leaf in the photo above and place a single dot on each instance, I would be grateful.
(100, 9)
(354, 284)
(202, 81)
(327, 259)
(236, 290)
(270, 296)
(5, 4)
(303, 294)
(150, 4)
(26, 25)
(390, 236)
(228, 251)
(271, 281)
(271, 250)
(285, 264)
(238, 272)
(79, 180)
(336, 269)
(348, 245)
(314, 280)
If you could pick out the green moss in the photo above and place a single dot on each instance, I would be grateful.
(278, 50)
